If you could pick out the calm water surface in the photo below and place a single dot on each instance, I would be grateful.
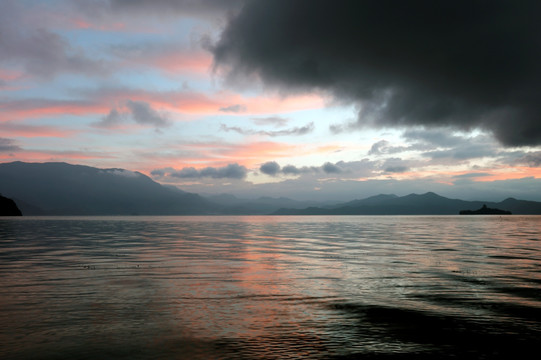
(270, 287)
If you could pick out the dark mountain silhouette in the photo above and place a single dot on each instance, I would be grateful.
(413, 204)
(8, 207)
(64, 189)
(485, 211)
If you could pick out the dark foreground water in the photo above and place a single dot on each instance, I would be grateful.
(270, 287)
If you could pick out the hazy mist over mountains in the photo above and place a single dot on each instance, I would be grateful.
(64, 189)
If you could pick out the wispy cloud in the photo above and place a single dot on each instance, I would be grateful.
(297, 131)
(237, 108)
(276, 121)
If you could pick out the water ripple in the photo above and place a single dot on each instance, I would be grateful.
(270, 287)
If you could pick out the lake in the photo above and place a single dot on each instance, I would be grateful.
(270, 287)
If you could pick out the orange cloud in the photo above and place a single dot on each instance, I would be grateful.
(516, 172)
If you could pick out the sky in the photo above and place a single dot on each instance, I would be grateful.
(311, 100)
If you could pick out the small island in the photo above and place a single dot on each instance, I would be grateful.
(8, 207)
(485, 211)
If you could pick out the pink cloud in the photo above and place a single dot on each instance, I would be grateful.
(11, 129)
(46, 156)
(81, 23)
(167, 58)
(9, 74)
(189, 102)
(39, 108)
(215, 154)
(181, 102)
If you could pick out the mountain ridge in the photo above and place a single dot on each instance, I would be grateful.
(65, 189)
(58, 188)
(428, 203)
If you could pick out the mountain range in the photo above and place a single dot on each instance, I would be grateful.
(414, 204)
(65, 189)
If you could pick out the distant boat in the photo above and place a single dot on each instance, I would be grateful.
(485, 211)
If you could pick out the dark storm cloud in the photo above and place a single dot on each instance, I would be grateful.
(8, 145)
(270, 168)
(191, 7)
(231, 171)
(464, 64)
(303, 130)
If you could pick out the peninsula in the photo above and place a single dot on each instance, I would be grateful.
(8, 207)
(485, 211)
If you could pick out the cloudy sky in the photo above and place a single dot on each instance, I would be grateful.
(305, 99)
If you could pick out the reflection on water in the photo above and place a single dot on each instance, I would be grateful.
(270, 287)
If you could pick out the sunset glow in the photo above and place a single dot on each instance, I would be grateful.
(168, 87)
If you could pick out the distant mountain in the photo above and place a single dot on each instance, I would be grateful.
(232, 205)
(413, 204)
(8, 207)
(64, 189)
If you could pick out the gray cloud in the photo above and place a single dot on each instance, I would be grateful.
(303, 130)
(384, 147)
(231, 171)
(110, 120)
(467, 150)
(436, 137)
(331, 168)
(272, 120)
(462, 64)
(291, 170)
(138, 111)
(143, 114)
(471, 175)
(377, 148)
(237, 108)
(396, 165)
(532, 159)
(396, 169)
(8, 145)
(270, 168)
(39, 51)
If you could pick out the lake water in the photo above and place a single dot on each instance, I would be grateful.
(375, 287)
